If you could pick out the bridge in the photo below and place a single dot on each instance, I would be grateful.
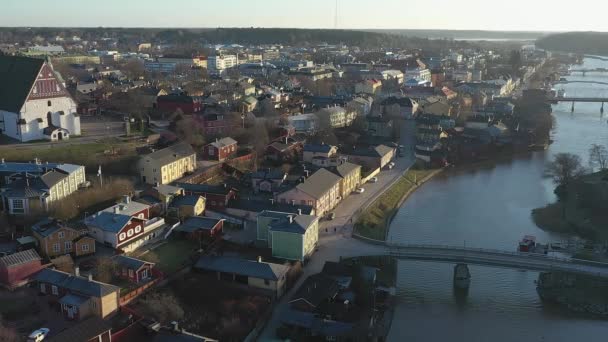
(605, 59)
(496, 258)
(588, 82)
(579, 99)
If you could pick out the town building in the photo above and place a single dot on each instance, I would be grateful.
(167, 165)
(217, 65)
(172, 102)
(257, 274)
(92, 329)
(372, 158)
(380, 126)
(77, 297)
(305, 123)
(351, 177)
(16, 269)
(188, 205)
(34, 104)
(56, 238)
(267, 180)
(198, 227)
(125, 226)
(336, 117)
(220, 149)
(312, 151)
(294, 237)
(321, 191)
(216, 196)
(132, 269)
(368, 87)
(27, 187)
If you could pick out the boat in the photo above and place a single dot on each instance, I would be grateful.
(462, 276)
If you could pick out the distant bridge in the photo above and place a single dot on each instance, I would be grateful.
(584, 71)
(589, 82)
(605, 59)
(579, 99)
(496, 258)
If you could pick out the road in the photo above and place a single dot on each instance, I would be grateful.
(335, 236)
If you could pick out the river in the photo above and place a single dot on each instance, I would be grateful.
(489, 206)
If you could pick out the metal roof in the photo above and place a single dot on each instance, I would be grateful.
(73, 283)
(318, 148)
(108, 221)
(130, 262)
(249, 268)
(72, 299)
(319, 183)
(195, 223)
(171, 153)
(83, 331)
(223, 142)
(298, 224)
(186, 200)
(19, 258)
(124, 208)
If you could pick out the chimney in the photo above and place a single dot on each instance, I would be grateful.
(126, 199)
(116, 209)
(77, 271)
(293, 202)
(299, 211)
(259, 258)
(90, 277)
(2, 160)
(272, 201)
(290, 218)
(175, 326)
(157, 184)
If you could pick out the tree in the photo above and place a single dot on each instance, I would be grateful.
(106, 269)
(163, 307)
(565, 168)
(134, 69)
(598, 157)
(8, 334)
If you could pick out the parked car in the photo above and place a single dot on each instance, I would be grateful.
(373, 180)
(331, 216)
(38, 335)
(360, 190)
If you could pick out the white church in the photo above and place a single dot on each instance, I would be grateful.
(34, 104)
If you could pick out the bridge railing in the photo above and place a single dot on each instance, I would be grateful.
(499, 252)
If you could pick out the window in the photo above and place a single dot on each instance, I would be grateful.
(56, 248)
(93, 304)
(18, 206)
(68, 246)
(61, 235)
(42, 288)
(122, 236)
(54, 290)
(144, 273)
(130, 232)
(48, 103)
(266, 282)
(211, 151)
(85, 248)
(137, 229)
(130, 273)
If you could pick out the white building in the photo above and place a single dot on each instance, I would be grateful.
(418, 74)
(218, 64)
(34, 104)
(305, 123)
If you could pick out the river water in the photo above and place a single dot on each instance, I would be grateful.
(489, 207)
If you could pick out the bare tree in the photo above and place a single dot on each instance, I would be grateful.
(105, 269)
(134, 69)
(163, 307)
(565, 168)
(598, 157)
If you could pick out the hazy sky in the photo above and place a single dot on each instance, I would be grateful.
(522, 15)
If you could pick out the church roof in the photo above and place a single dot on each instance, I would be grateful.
(17, 76)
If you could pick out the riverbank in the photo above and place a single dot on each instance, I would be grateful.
(373, 223)
(577, 293)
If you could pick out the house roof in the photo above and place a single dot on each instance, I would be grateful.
(108, 221)
(205, 188)
(124, 208)
(344, 169)
(249, 268)
(165, 189)
(73, 283)
(19, 258)
(171, 153)
(130, 262)
(195, 223)
(298, 224)
(319, 183)
(227, 141)
(48, 226)
(268, 174)
(52, 178)
(318, 148)
(83, 331)
(316, 289)
(259, 206)
(72, 299)
(18, 75)
(186, 200)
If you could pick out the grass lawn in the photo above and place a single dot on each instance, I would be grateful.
(88, 154)
(374, 221)
(172, 256)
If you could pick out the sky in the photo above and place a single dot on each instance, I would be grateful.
(502, 15)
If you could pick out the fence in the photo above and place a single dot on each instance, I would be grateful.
(126, 299)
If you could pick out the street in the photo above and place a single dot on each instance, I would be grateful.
(335, 236)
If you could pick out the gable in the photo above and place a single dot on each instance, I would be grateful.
(17, 76)
(46, 85)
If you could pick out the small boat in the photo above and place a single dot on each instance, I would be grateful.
(462, 276)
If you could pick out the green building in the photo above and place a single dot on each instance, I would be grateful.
(294, 237)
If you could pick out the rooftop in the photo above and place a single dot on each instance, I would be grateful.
(319, 183)
(74, 283)
(297, 224)
(19, 258)
(249, 268)
(196, 223)
(171, 153)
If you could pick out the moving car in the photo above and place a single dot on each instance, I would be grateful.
(373, 180)
(38, 335)
(331, 216)
(360, 190)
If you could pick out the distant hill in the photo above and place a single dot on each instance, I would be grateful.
(594, 43)
(466, 34)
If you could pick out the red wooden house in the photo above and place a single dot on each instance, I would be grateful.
(16, 269)
(216, 196)
(199, 227)
(220, 149)
(135, 270)
(173, 102)
(217, 124)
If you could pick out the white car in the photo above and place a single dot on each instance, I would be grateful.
(38, 335)
(373, 180)
(360, 190)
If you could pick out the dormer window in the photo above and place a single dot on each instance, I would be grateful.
(48, 103)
